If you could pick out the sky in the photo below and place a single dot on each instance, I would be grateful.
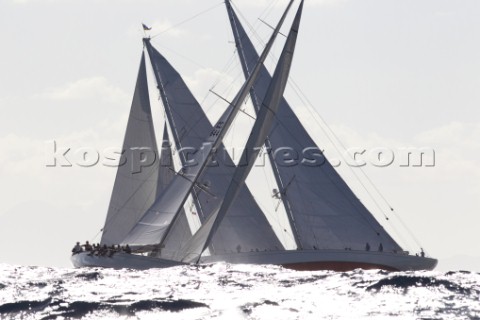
(381, 73)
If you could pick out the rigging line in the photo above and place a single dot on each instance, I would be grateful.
(285, 234)
(302, 97)
(351, 169)
(354, 206)
(255, 34)
(224, 70)
(330, 132)
(281, 123)
(268, 25)
(265, 13)
(415, 239)
(250, 26)
(225, 100)
(179, 173)
(181, 55)
(297, 90)
(343, 146)
(188, 20)
(228, 65)
(275, 170)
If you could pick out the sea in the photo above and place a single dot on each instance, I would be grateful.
(224, 291)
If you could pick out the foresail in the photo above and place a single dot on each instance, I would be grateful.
(136, 183)
(157, 221)
(180, 231)
(325, 212)
(261, 128)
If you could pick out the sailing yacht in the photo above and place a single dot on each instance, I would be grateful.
(329, 225)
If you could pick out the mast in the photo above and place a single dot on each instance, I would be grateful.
(157, 219)
(262, 126)
(278, 179)
(166, 104)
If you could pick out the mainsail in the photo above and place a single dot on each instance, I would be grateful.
(245, 227)
(155, 223)
(136, 183)
(257, 137)
(324, 211)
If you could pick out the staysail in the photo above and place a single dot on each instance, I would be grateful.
(180, 231)
(324, 211)
(136, 184)
(156, 221)
(256, 140)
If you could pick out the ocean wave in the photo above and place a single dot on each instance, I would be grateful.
(224, 291)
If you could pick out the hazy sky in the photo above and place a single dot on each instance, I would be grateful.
(382, 73)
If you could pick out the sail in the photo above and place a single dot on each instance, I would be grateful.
(255, 141)
(324, 211)
(156, 222)
(180, 231)
(246, 228)
(136, 183)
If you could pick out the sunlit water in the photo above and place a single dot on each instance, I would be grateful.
(223, 291)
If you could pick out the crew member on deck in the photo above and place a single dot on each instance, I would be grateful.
(367, 247)
(380, 247)
(77, 248)
(88, 246)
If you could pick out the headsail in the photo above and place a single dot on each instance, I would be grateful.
(180, 231)
(156, 221)
(325, 212)
(135, 188)
(255, 141)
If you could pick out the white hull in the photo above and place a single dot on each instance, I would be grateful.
(120, 261)
(338, 260)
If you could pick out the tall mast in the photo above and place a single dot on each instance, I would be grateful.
(282, 187)
(166, 104)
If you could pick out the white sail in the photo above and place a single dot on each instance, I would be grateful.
(155, 223)
(324, 211)
(135, 188)
(245, 228)
(256, 140)
(180, 231)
